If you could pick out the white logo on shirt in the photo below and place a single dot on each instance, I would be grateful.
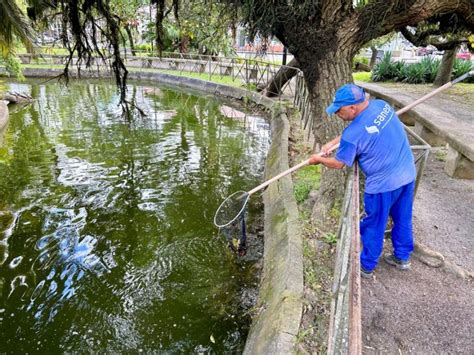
(372, 129)
(386, 115)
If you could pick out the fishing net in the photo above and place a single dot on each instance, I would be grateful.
(230, 219)
(231, 209)
(236, 235)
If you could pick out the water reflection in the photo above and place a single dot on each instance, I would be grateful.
(106, 235)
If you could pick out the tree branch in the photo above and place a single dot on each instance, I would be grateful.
(419, 38)
(381, 16)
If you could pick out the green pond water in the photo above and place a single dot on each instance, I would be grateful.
(106, 236)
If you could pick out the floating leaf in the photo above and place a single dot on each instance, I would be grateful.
(212, 339)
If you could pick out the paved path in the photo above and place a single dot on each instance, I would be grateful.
(454, 101)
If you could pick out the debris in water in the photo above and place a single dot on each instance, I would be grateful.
(152, 91)
(230, 112)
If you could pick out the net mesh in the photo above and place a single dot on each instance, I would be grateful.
(236, 235)
(231, 209)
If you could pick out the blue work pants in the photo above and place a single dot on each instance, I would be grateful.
(399, 205)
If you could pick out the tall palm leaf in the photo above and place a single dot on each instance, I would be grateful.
(14, 25)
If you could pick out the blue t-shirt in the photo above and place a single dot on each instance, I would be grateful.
(377, 139)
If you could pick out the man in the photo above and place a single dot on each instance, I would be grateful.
(376, 138)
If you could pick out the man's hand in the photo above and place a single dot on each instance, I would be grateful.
(315, 159)
(328, 162)
(325, 149)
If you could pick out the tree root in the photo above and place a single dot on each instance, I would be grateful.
(427, 256)
(434, 259)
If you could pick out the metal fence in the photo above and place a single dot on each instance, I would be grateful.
(345, 336)
(248, 72)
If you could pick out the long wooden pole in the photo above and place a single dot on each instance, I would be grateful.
(286, 172)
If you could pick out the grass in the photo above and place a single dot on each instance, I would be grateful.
(45, 50)
(220, 79)
(330, 238)
(43, 66)
(215, 78)
(441, 155)
(362, 76)
(306, 180)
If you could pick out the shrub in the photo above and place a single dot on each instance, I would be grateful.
(12, 66)
(386, 69)
(462, 67)
(302, 190)
(414, 74)
(418, 73)
(422, 72)
(430, 66)
(143, 47)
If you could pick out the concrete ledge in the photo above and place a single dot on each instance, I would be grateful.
(166, 79)
(435, 127)
(3, 114)
(274, 329)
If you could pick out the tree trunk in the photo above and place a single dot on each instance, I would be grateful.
(130, 38)
(373, 58)
(233, 31)
(446, 67)
(323, 78)
(184, 44)
(284, 74)
(159, 31)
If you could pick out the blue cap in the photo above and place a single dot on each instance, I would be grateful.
(348, 94)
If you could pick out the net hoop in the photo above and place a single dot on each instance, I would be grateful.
(223, 204)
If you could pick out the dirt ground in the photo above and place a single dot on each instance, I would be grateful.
(427, 310)
(444, 213)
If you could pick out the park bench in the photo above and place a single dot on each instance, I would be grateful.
(436, 127)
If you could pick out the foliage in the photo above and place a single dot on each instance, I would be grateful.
(12, 66)
(462, 67)
(445, 32)
(360, 59)
(144, 47)
(330, 238)
(302, 190)
(306, 180)
(387, 69)
(15, 26)
(441, 154)
(206, 25)
(417, 73)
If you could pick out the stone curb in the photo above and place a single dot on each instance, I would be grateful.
(280, 303)
(275, 327)
(3, 114)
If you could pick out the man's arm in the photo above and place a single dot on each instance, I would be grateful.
(328, 162)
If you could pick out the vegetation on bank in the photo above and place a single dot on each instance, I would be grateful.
(318, 248)
(416, 73)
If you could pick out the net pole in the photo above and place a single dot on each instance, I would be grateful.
(286, 172)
